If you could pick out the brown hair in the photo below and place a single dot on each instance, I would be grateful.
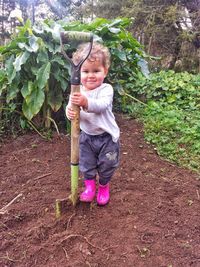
(99, 52)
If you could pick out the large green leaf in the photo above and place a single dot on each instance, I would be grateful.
(143, 66)
(10, 70)
(60, 61)
(24, 46)
(42, 56)
(55, 98)
(12, 91)
(43, 75)
(98, 22)
(120, 54)
(53, 48)
(114, 30)
(33, 42)
(26, 90)
(33, 102)
(32, 45)
(120, 22)
(56, 32)
(61, 77)
(20, 60)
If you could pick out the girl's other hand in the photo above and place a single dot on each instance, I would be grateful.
(70, 113)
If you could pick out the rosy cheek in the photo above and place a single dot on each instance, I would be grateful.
(83, 76)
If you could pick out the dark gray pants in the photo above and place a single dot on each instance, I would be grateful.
(98, 155)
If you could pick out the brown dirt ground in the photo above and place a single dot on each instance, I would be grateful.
(152, 219)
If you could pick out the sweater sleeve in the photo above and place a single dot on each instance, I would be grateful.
(103, 100)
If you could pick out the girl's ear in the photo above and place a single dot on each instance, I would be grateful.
(105, 72)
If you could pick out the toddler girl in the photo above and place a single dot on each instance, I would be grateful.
(99, 138)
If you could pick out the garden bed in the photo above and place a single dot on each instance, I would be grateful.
(152, 219)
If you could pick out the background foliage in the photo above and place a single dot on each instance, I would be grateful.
(168, 29)
(36, 75)
(171, 115)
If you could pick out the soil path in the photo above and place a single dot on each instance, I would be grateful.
(152, 219)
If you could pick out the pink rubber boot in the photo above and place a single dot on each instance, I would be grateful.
(89, 192)
(103, 195)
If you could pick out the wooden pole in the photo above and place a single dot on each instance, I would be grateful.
(75, 133)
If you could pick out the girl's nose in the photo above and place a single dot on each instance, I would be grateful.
(90, 74)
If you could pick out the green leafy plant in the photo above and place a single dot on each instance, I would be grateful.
(35, 72)
(170, 114)
(167, 87)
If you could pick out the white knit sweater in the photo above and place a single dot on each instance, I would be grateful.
(99, 118)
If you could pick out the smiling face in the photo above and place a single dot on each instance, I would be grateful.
(92, 74)
(95, 68)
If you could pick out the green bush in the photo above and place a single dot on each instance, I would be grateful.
(171, 117)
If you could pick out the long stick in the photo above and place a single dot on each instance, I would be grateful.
(75, 133)
(75, 124)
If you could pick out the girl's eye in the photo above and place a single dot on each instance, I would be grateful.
(85, 71)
